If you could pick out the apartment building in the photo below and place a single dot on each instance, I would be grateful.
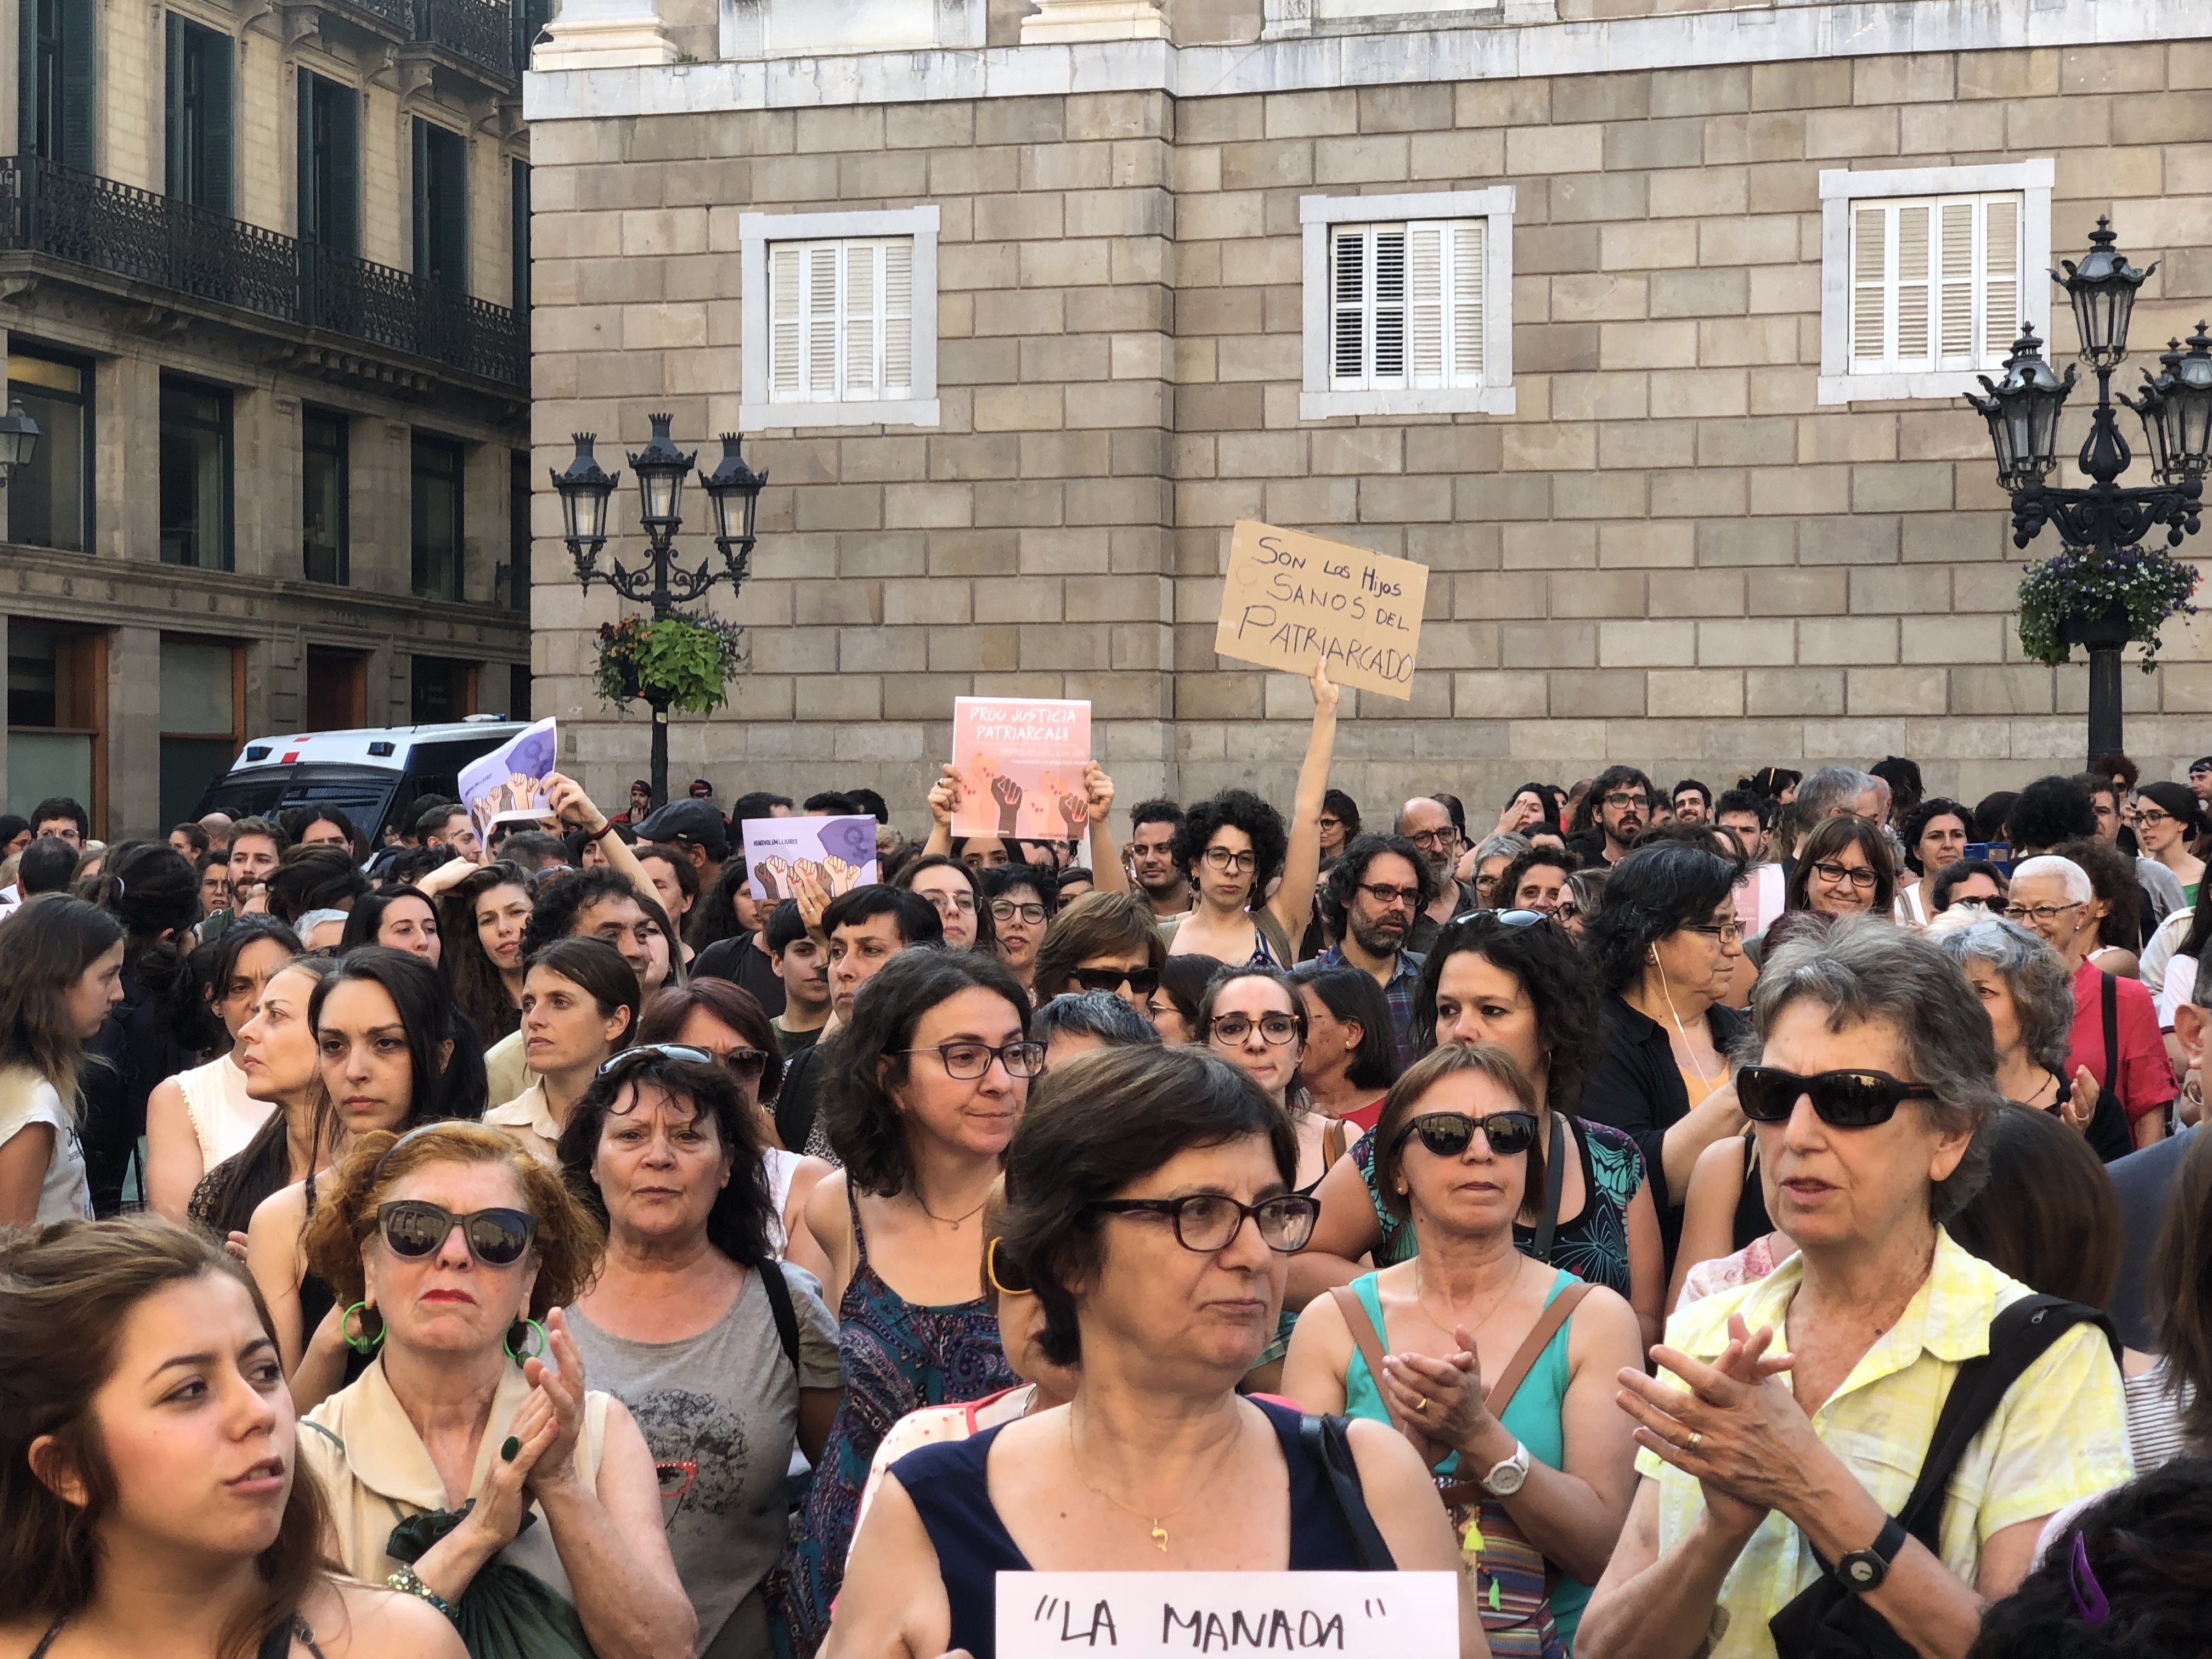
(264, 287)
(1641, 323)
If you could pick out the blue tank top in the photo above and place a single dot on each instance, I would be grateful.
(950, 1492)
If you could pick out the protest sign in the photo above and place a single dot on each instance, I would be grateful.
(1017, 767)
(1291, 598)
(1758, 898)
(1155, 1615)
(839, 853)
(508, 786)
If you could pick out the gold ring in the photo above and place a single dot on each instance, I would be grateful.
(1694, 1442)
(1423, 1405)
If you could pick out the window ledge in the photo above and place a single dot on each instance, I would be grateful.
(1947, 383)
(789, 418)
(1426, 400)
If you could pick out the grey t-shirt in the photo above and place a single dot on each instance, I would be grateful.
(726, 1402)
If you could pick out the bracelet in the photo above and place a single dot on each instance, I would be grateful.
(605, 828)
(408, 1581)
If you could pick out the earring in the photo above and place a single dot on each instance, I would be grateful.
(363, 1342)
(526, 1326)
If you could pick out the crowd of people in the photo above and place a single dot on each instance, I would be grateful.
(1760, 1221)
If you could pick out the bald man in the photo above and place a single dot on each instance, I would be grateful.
(1428, 824)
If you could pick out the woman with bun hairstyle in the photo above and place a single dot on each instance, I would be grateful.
(149, 1469)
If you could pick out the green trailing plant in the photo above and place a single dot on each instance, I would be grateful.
(2080, 586)
(679, 662)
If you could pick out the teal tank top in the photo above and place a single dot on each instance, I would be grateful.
(1532, 1417)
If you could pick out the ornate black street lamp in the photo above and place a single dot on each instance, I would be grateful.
(2103, 520)
(19, 440)
(733, 493)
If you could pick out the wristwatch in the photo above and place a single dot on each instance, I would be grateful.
(1508, 1476)
(1864, 1569)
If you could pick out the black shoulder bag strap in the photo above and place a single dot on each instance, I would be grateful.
(2112, 1001)
(778, 1305)
(1555, 1177)
(1826, 1620)
(1327, 1441)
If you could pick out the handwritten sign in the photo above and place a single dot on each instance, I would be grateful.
(839, 853)
(1293, 598)
(1165, 1615)
(1017, 762)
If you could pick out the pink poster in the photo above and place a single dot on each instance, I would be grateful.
(1019, 765)
(1758, 898)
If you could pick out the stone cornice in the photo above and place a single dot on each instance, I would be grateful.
(1786, 33)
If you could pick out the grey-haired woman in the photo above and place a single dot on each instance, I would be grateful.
(2029, 994)
(1871, 1091)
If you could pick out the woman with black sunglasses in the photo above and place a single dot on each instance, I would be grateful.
(470, 1466)
(727, 1021)
(727, 1358)
(580, 1005)
(1101, 942)
(1873, 1089)
(921, 1094)
(1149, 1210)
(1541, 1463)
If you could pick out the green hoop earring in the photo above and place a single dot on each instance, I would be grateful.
(537, 1352)
(364, 1343)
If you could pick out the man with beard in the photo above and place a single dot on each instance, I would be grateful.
(1619, 807)
(1153, 829)
(1370, 902)
(1427, 826)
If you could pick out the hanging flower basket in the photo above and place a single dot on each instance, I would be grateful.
(2090, 599)
(680, 662)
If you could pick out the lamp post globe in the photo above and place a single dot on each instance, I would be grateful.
(584, 487)
(2176, 410)
(733, 493)
(19, 438)
(661, 469)
(2022, 410)
(2103, 289)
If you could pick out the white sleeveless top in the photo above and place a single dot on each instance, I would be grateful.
(224, 1116)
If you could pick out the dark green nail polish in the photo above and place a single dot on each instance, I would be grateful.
(507, 1452)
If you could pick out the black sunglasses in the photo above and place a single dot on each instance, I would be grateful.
(1143, 981)
(414, 1228)
(1843, 1100)
(1448, 1134)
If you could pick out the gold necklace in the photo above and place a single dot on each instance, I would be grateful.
(1421, 1297)
(957, 1221)
(1159, 1532)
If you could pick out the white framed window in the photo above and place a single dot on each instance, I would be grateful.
(839, 318)
(1408, 304)
(1926, 274)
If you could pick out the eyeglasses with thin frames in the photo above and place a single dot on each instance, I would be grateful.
(1207, 1222)
(1243, 864)
(1838, 874)
(2041, 915)
(1009, 910)
(1728, 932)
(1274, 1029)
(968, 1062)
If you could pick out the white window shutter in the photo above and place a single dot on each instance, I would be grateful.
(1469, 271)
(1870, 285)
(1914, 246)
(1388, 289)
(862, 292)
(1425, 295)
(1957, 281)
(1348, 309)
(785, 327)
(898, 319)
(822, 322)
(2001, 278)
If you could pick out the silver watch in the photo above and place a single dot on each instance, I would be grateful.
(1508, 1476)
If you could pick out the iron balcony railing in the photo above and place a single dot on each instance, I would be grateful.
(478, 32)
(136, 234)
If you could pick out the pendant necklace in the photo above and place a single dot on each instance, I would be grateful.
(1158, 1523)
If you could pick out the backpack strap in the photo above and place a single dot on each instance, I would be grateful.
(1327, 1441)
(2111, 990)
(1366, 1338)
(2019, 1336)
(777, 1290)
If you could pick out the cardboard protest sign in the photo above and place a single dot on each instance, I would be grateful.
(839, 853)
(1153, 1615)
(1291, 598)
(508, 785)
(1018, 765)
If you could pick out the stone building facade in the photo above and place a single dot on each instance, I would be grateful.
(1680, 444)
(259, 287)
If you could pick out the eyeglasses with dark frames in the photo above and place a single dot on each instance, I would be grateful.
(2041, 915)
(1385, 895)
(1008, 909)
(1843, 1100)
(1449, 1134)
(1838, 873)
(1207, 1222)
(969, 1060)
(414, 1228)
(1142, 980)
(1274, 1029)
(1243, 863)
(1728, 932)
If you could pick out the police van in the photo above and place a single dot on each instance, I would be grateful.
(373, 776)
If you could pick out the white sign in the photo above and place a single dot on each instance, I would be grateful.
(1165, 1615)
(508, 785)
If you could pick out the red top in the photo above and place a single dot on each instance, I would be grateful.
(2146, 1074)
(1368, 1115)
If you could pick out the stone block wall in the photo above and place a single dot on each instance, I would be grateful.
(1671, 553)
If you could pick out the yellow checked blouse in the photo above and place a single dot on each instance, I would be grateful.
(2061, 1434)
